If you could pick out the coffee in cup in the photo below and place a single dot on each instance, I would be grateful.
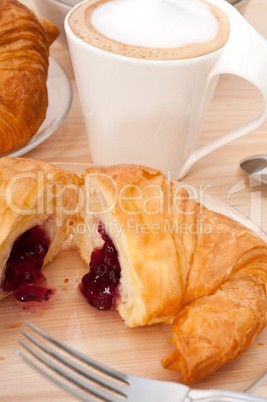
(146, 71)
(151, 29)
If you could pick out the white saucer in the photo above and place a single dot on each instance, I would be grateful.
(59, 102)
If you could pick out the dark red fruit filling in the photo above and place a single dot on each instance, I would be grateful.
(100, 284)
(23, 269)
(31, 292)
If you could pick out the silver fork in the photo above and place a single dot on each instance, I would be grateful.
(100, 387)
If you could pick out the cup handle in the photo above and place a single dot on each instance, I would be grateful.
(244, 55)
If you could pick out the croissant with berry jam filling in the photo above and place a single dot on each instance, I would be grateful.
(157, 255)
(35, 198)
(121, 249)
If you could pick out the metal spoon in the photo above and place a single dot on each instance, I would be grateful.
(255, 166)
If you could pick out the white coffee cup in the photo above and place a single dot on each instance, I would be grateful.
(150, 112)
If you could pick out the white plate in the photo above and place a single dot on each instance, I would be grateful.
(59, 102)
(102, 334)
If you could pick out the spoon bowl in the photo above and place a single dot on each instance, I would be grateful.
(255, 166)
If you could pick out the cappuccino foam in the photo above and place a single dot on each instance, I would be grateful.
(151, 29)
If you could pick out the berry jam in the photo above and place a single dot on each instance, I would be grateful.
(31, 292)
(23, 268)
(100, 284)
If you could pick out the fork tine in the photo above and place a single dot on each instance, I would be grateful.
(55, 380)
(91, 376)
(91, 362)
(69, 376)
(257, 383)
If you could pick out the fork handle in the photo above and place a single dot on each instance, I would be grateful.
(221, 396)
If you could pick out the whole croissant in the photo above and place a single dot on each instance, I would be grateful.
(24, 45)
(180, 263)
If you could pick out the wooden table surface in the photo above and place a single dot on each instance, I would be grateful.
(235, 101)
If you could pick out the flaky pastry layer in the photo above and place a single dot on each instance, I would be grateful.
(179, 261)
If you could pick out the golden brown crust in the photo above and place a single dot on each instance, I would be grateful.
(24, 47)
(216, 247)
(51, 31)
(217, 328)
(34, 193)
(205, 268)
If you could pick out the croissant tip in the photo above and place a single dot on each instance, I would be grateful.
(51, 30)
